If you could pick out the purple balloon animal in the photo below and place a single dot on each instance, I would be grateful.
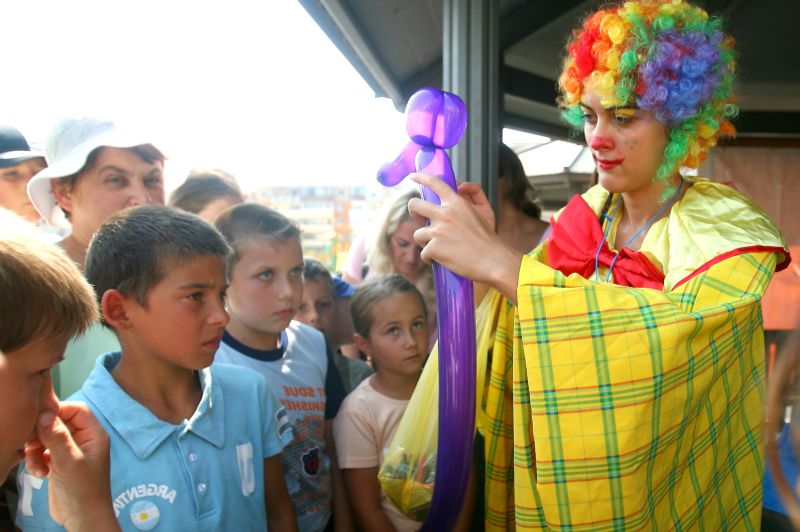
(436, 120)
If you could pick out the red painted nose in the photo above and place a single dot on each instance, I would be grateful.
(600, 143)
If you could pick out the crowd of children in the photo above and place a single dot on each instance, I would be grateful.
(205, 359)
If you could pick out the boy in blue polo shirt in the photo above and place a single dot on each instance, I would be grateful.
(193, 447)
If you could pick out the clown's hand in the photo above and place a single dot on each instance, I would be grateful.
(473, 194)
(461, 236)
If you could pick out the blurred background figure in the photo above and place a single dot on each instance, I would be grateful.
(781, 510)
(206, 193)
(18, 164)
(343, 327)
(319, 310)
(519, 221)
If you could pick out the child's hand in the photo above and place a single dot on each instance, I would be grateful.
(72, 450)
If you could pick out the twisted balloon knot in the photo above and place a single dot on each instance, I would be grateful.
(435, 120)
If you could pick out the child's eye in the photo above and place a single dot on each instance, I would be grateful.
(589, 118)
(296, 272)
(392, 331)
(41, 374)
(303, 307)
(265, 275)
(11, 176)
(196, 296)
(417, 325)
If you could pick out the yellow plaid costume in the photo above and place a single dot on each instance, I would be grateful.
(617, 408)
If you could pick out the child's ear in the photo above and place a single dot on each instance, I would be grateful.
(114, 306)
(62, 192)
(362, 344)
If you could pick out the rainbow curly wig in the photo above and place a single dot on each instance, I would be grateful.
(667, 57)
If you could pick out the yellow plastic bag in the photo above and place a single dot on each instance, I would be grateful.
(409, 467)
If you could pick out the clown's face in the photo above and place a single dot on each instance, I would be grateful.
(627, 144)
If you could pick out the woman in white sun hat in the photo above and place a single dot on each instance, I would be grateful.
(95, 169)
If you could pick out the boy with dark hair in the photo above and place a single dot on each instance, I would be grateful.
(44, 300)
(187, 440)
(319, 309)
(266, 288)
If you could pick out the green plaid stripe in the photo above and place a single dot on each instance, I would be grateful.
(626, 394)
(606, 402)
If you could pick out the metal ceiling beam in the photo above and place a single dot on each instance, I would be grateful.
(334, 33)
(514, 27)
(721, 7)
(767, 123)
(349, 26)
(522, 84)
(530, 18)
(429, 76)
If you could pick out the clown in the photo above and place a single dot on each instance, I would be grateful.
(626, 386)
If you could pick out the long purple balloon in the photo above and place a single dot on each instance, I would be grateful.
(436, 120)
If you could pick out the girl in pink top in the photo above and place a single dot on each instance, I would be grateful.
(391, 329)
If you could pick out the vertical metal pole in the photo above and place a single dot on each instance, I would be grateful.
(471, 63)
(469, 51)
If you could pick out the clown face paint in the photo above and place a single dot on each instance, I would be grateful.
(627, 144)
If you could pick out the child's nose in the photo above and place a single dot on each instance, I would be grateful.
(410, 339)
(47, 399)
(283, 288)
(219, 317)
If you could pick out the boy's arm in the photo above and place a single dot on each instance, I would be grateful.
(365, 493)
(280, 510)
(342, 520)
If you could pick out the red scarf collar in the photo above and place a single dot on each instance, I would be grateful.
(573, 244)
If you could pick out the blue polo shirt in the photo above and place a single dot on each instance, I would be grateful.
(205, 473)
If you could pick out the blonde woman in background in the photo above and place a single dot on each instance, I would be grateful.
(391, 250)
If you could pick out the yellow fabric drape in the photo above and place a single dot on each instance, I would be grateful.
(621, 408)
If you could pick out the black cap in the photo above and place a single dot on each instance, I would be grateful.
(14, 149)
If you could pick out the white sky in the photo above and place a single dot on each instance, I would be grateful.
(253, 87)
(250, 86)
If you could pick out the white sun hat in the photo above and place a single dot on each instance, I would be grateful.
(66, 149)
